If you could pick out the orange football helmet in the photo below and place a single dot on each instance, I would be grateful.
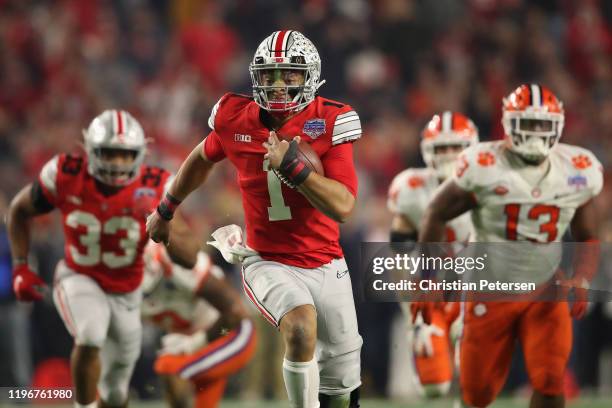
(533, 120)
(443, 138)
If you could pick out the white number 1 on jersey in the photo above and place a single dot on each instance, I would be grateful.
(277, 211)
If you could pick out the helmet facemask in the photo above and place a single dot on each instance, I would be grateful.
(442, 156)
(532, 134)
(286, 79)
(282, 87)
(109, 171)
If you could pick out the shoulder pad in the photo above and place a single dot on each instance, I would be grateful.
(231, 100)
(152, 176)
(584, 162)
(347, 126)
(476, 165)
(70, 164)
(407, 192)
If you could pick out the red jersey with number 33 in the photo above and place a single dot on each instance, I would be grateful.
(105, 235)
(280, 222)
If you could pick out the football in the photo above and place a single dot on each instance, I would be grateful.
(310, 158)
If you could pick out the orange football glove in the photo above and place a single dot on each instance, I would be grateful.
(580, 286)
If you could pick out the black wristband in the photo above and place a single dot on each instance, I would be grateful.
(167, 206)
(293, 171)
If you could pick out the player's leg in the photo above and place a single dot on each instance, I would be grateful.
(177, 391)
(217, 360)
(286, 302)
(435, 372)
(209, 393)
(121, 350)
(339, 342)
(487, 345)
(545, 331)
(85, 311)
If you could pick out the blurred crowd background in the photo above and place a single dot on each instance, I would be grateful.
(396, 61)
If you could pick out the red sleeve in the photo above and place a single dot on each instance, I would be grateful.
(339, 166)
(212, 149)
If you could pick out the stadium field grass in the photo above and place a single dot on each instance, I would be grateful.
(365, 403)
(370, 403)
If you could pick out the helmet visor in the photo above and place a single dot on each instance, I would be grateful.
(279, 86)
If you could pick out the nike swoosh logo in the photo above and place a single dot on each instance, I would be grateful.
(341, 274)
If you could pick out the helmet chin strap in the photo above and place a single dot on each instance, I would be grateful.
(320, 84)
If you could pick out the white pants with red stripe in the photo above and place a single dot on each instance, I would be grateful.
(276, 289)
(104, 320)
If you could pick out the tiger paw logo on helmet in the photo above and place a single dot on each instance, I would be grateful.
(533, 119)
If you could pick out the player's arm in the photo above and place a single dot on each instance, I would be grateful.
(191, 175)
(328, 195)
(182, 245)
(584, 230)
(448, 203)
(584, 224)
(223, 297)
(27, 204)
(586, 256)
(402, 229)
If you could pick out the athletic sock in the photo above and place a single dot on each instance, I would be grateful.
(302, 383)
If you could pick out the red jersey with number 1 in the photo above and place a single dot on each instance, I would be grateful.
(280, 222)
(105, 235)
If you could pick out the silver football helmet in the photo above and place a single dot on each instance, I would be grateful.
(285, 52)
(116, 130)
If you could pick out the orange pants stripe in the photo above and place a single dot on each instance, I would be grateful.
(219, 359)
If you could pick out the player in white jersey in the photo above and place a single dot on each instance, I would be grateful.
(210, 335)
(443, 139)
(527, 188)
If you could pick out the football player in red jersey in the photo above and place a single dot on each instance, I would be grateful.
(104, 198)
(298, 278)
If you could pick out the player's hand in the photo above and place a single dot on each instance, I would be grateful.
(176, 343)
(143, 206)
(277, 149)
(423, 345)
(26, 284)
(580, 287)
(158, 228)
(423, 310)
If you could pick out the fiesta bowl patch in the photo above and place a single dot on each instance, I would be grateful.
(314, 128)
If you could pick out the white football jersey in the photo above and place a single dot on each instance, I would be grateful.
(169, 293)
(411, 192)
(525, 203)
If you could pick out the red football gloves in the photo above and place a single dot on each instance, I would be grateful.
(26, 284)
